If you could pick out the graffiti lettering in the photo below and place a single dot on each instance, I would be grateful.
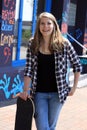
(77, 31)
(6, 39)
(6, 27)
(64, 28)
(64, 16)
(7, 54)
(7, 21)
(9, 4)
(4, 84)
(17, 85)
(78, 34)
(8, 15)
(11, 21)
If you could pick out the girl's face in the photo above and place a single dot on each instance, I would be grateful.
(46, 27)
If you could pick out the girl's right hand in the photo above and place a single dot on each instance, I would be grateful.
(24, 95)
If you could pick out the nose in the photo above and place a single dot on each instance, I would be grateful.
(45, 25)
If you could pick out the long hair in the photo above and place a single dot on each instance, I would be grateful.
(56, 40)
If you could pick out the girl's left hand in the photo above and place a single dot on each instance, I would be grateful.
(71, 93)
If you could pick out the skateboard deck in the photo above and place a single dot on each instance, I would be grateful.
(24, 114)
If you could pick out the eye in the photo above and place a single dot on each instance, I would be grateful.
(42, 23)
(49, 23)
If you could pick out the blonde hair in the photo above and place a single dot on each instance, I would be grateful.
(56, 41)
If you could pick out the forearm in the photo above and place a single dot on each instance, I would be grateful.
(27, 81)
(76, 79)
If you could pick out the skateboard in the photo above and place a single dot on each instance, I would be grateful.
(24, 114)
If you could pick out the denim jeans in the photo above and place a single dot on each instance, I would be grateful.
(47, 109)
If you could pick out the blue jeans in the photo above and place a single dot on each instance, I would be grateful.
(47, 109)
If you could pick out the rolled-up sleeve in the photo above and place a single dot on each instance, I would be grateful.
(28, 66)
(74, 59)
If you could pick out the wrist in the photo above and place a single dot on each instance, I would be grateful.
(74, 86)
(28, 90)
(25, 89)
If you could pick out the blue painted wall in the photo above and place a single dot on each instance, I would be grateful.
(11, 82)
(11, 79)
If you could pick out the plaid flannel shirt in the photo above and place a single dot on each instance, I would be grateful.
(61, 65)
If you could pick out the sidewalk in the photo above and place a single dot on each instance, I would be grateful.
(73, 115)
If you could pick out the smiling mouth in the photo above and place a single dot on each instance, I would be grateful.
(46, 31)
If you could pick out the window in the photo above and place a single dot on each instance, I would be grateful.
(22, 29)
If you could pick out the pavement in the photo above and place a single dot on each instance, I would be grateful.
(72, 117)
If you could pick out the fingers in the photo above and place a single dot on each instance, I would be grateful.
(71, 93)
(23, 95)
(29, 96)
(15, 96)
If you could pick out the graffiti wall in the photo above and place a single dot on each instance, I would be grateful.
(11, 82)
(11, 79)
(7, 20)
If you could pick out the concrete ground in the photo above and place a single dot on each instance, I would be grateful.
(73, 115)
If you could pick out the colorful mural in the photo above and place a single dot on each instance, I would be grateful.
(5, 55)
(78, 31)
(7, 21)
(10, 85)
(11, 79)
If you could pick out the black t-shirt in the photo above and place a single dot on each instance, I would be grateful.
(46, 81)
